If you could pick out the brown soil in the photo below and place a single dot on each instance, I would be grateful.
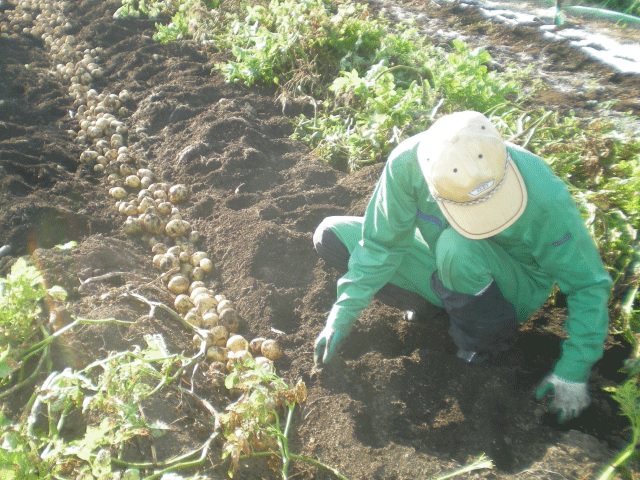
(398, 404)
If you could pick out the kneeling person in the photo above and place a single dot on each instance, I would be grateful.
(460, 220)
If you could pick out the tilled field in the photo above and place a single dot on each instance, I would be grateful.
(87, 103)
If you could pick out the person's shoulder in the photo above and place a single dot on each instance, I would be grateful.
(544, 187)
(404, 154)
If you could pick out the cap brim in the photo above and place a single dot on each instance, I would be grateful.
(497, 213)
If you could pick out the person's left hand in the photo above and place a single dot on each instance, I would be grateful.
(566, 399)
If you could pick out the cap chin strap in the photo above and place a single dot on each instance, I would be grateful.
(479, 200)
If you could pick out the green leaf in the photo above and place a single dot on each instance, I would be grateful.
(156, 346)
(68, 246)
(57, 293)
(101, 466)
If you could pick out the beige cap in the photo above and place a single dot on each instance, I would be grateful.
(470, 174)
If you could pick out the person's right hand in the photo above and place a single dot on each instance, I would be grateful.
(327, 345)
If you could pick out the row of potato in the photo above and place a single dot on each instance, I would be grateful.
(151, 208)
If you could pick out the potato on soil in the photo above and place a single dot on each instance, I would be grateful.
(229, 318)
(271, 349)
(200, 288)
(255, 345)
(210, 320)
(217, 353)
(194, 319)
(217, 377)
(236, 343)
(265, 363)
(219, 335)
(224, 304)
(178, 194)
(178, 284)
(183, 303)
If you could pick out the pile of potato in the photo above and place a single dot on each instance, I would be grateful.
(151, 208)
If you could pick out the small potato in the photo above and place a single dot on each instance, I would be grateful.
(167, 262)
(198, 274)
(183, 303)
(236, 343)
(131, 210)
(152, 223)
(193, 318)
(210, 320)
(271, 349)
(145, 204)
(195, 285)
(186, 269)
(164, 208)
(217, 353)
(178, 194)
(206, 265)
(132, 181)
(118, 193)
(144, 172)
(204, 302)
(133, 226)
(159, 248)
(177, 228)
(265, 363)
(197, 257)
(224, 305)
(229, 319)
(178, 284)
(195, 291)
(219, 336)
(239, 356)
(255, 345)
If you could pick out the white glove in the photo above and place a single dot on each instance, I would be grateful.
(567, 399)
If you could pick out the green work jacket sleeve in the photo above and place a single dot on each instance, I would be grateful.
(388, 232)
(575, 262)
(564, 249)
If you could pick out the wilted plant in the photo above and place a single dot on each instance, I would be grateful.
(628, 397)
(22, 326)
(257, 424)
(109, 395)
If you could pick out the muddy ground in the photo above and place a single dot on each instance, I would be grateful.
(398, 404)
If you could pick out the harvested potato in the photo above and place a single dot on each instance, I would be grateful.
(210, 320)
(178, 194)
(236, 343)
(265, 363)
(194, 285)
(229, 318)
(193, 318)
(217, 353)
(224, 304)
(271, 349)
(178, 284)
(255, 345)
(183, 303)
(219, 335)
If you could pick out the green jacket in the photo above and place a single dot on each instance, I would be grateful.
(550, 239)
